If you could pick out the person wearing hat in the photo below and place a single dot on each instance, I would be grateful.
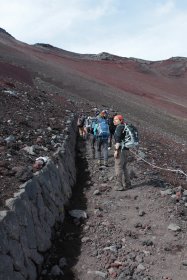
(120, 156)
(102, 114)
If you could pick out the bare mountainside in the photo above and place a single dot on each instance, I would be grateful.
(150, 93)
(41, 84)
(136, 234)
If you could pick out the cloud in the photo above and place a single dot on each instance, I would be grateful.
(41, 19)
(146, 29)
(165, 8)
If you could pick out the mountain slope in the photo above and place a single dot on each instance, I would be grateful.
(138, 88)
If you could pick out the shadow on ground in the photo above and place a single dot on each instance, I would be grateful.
(67, 236)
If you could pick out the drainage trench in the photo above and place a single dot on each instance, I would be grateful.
(66, 240)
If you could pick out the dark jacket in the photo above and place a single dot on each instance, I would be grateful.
(119, 134)
(81, 121)
(112, 127)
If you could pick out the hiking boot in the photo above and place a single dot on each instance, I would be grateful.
(119, 187)
(128, 185)
(106, 164)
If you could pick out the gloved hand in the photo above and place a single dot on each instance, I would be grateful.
(117, 145)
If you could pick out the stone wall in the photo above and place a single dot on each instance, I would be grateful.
(26, 226)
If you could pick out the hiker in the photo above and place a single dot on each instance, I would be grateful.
(101, 132)
(80, 125)
(103, 114)
(87, 125)
(112, 128)
(120, 155)
(93, 121)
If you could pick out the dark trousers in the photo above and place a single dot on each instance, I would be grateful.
(92, 140)
(102, 147)
(110, 138)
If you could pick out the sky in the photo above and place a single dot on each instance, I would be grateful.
(146, 29)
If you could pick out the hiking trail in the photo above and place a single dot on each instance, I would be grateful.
(137, 234)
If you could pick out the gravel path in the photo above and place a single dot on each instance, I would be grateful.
(125, 235)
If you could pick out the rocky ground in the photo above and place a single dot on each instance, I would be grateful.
(136, 234)
(31, 126)
(32, 121)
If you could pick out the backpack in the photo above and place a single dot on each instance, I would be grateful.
(131, 138)
(112, 127)
(103, 129)
(93, 122)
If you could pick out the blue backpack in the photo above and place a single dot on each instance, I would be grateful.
(93, 122)
(103, 129)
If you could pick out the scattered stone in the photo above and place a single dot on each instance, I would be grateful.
(185, 193)
(111, 178)
(116, 264)
(184, 262)
(140, 267)
(56, 271)
(85, 239)
(166, 192)
(147, 253)
(112, 272)
(174, 227)
(78, 214)
(98, 273)
(141, 213)
(62, 262)
(141, 154)
(10, 139)
(29, 150)
(112, 248)
(147, 243)
(138, 225)
(24, 173)
(96, 192)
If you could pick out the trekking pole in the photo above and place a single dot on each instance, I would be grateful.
(161, 168)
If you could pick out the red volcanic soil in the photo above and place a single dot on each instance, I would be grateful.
(161, 84)
(165, 93)
(16, 73)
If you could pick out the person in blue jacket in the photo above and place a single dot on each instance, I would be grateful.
(101, 133)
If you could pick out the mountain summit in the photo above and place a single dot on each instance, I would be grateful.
(3, 31)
